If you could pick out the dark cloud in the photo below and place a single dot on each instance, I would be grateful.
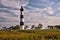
(7, 7)
(2, 19)
(8, 12)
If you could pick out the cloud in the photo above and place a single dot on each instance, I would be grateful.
(14, 3)
(50, 11)
(7, 21)
(7, 7)
(46, 12)
(9, 12)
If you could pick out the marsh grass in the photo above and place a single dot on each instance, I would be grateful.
(49, 34)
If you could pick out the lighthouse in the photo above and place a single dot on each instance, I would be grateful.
(21, 18)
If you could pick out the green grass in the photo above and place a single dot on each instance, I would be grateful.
(53, 34)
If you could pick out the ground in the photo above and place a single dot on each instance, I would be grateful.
(46, 34)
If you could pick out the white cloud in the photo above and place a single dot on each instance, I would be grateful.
(38, 15)
(14, 3)
(8, 21)
(51, 21)
(50, 11)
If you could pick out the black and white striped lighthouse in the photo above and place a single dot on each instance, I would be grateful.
(21, 19)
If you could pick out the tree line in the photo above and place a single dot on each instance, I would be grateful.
(33, 27)
(17, 27)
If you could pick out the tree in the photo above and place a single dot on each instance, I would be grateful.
(11, 28)
(51, 27)
(57, 26)
(17, 27)
(4, 28)
(40, 26)
(33, 27)
(25, 27)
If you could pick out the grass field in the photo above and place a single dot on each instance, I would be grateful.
(48, 34)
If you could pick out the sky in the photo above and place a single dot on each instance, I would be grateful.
(46, 12)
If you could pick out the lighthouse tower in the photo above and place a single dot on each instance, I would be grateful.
(21, 18)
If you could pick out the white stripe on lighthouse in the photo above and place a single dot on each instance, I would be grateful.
(22, 19)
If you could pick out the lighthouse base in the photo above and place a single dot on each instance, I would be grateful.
(21, 27)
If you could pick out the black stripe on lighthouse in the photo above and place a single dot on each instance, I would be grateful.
(21, 16)
(22, 20)
(21, 23)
